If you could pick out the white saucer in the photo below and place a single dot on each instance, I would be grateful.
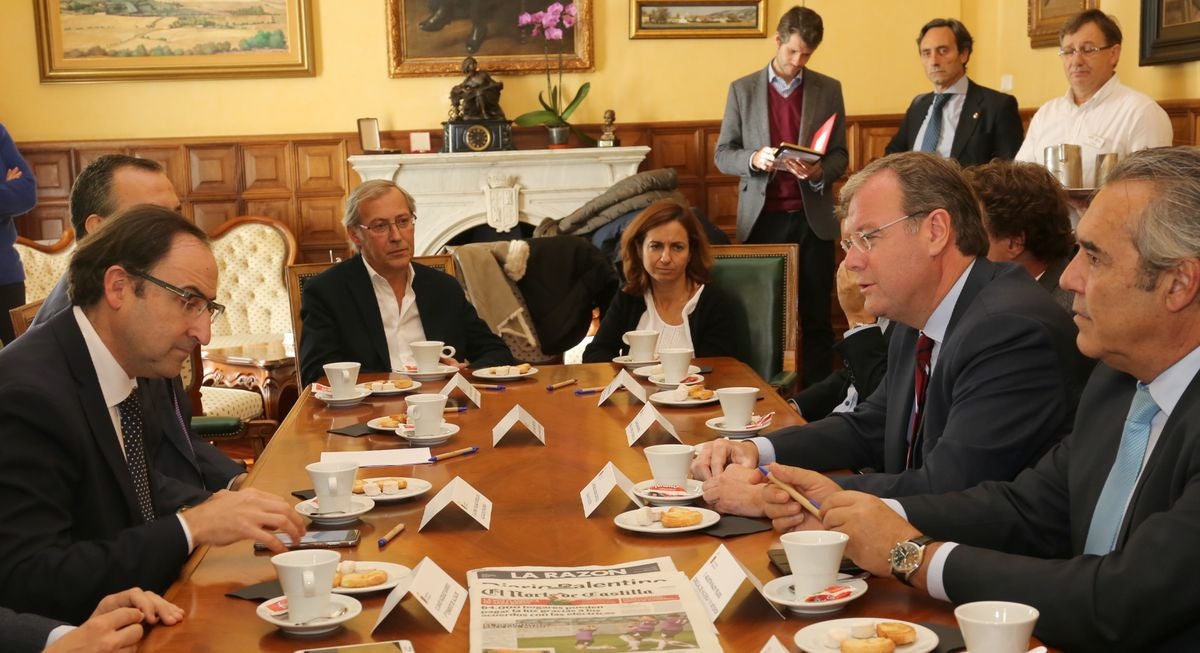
(316, 626)
(811, 639)
(694, 491)
(667, 398)
(487, 375)
(657, 369)
(632, 364)
(690, 379)
(377, 424)
(359, 505)
(442, 372)
(717, 424)
(389, 393)
(394, 571)
(359, 395)
(628, 521)
(780, 591)
(447, 431)
(415, 487)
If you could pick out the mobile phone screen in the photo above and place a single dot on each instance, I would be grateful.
(398, 646)
(346, 537)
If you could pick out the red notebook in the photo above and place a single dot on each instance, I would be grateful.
(815, 151)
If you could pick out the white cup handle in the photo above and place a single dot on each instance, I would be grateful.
(625, 338)
(414, 413)
(310, 582)
(450, 353)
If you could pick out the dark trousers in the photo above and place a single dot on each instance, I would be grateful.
(12, 295)
(816, 287)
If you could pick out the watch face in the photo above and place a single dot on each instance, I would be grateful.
(477, 138)
(905, 557)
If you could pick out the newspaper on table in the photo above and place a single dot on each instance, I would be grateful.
(566, 609)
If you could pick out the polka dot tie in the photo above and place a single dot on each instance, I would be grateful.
(135, 452)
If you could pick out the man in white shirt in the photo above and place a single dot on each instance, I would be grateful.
(1099, 534)
(1098, 112)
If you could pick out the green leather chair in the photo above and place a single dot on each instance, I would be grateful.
(762, 279)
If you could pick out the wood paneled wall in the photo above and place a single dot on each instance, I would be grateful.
(303, 179)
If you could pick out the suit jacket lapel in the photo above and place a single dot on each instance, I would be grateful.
(982, 273)
(362, 292)
(967, 120)
(758, 106)
(811, 98)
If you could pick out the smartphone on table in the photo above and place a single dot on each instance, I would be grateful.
(317, 539)
(394, 646)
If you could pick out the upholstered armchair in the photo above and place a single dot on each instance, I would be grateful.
(762, 280)
(252, 254)
(44, 264)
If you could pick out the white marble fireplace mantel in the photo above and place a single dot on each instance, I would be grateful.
(455, 192)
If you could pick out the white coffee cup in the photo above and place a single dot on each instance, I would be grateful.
(307, 580)
(675, 361)
(342, 377)
(669, 463)
(333, 483)
(426, 413)
(641, 344)
(427, 354)
(996, 626)
(814, 557)
(738, 404)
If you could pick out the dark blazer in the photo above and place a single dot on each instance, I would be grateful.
(746, 128)
(70, 530)
(25, 633)
(989, 128)
(1140, 597)
(181, 455)
(714, 331)
(342, 322)
(864, 361)
(1049, 281)
(1003, 391)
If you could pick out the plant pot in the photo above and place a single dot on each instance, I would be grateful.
(559, 135)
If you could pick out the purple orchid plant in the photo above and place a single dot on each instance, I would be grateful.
(552, 25)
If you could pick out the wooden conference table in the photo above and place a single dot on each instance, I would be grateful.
(537, 516)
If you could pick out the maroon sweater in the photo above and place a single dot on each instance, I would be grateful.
(783, 193)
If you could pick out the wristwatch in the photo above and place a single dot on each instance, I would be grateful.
(906, 558)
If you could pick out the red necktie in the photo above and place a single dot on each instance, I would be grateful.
(921, 378)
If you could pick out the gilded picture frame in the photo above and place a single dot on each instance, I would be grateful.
(697, 19)
(1046, 17)
(1170, 32)
(207, 39)
(422, 45)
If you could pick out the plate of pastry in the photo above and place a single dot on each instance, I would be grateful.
(866, 635)
(387, 423)
(631, 364)
(685, 396)
(441, 372)
(364, 577)
(665, 521)
(655, 370)
(391, 387)
(383, 489)
(660, 381)
(505, 372)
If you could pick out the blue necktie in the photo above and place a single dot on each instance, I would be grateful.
(933, 130)
(1111, 508)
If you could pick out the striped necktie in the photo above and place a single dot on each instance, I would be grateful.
(1114, 498)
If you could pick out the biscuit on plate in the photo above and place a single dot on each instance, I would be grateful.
(678, 517)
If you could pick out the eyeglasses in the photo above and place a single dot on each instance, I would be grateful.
(1088, 51)
(194, 304)
(862, 240)
(381, 227)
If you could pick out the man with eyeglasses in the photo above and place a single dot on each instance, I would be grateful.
(983, 373)
(368, 308)
(84, 511)
(1098, 112)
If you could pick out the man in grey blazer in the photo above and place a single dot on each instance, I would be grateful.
(791, 202)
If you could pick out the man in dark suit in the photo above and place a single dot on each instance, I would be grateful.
(115, 626)
(792, 201)
(368, 308)
(83, 510)
(983, 375)
(972, 124)
(1100, 536)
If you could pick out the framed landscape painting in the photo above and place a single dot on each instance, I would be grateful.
(94, 40)
(696, 19)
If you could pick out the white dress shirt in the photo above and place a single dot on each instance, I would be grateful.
(401, 320)
(951, 112)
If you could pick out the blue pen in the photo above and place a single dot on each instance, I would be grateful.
(454, 409)
(451, 454)
(793, 492)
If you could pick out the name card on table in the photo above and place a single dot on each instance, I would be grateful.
(518, 414)
(719, 578)
(623, 380)
(434, 589)
(602, 484)
(380, 457)
(773, 645)
(464, 496)
(457, 381)
(644, 419)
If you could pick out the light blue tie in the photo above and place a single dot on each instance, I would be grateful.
(933, 129)
(1110, 509)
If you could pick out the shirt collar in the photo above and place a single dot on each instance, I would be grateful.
(115, 383)
(939, 321)
(775, 80)
(377, 278)
(957, 88)
(1168, 387)
(1100, 95)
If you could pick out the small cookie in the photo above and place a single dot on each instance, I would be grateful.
(871, 645)
(899, 633)
(679, 517)
(364, 579)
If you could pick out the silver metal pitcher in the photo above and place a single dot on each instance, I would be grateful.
(1104, 164)
(1065, 162)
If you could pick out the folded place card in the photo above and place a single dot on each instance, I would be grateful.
(464, 496)
(644, 419)
(458, 381)
(518, 414)
(435, 590)
(773, 645)
(623, 380)
(719, 578)
(381, 457)
(602, 484)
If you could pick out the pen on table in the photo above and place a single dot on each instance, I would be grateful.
(561, 384)
(454, 409)
(390, 534)
(488, 386)
(590, 391)
(795, 494)
(451, 454)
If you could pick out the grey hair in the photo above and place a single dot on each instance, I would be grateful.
(367, 191)
(1169, 230)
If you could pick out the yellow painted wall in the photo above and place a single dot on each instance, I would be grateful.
(869, 46)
